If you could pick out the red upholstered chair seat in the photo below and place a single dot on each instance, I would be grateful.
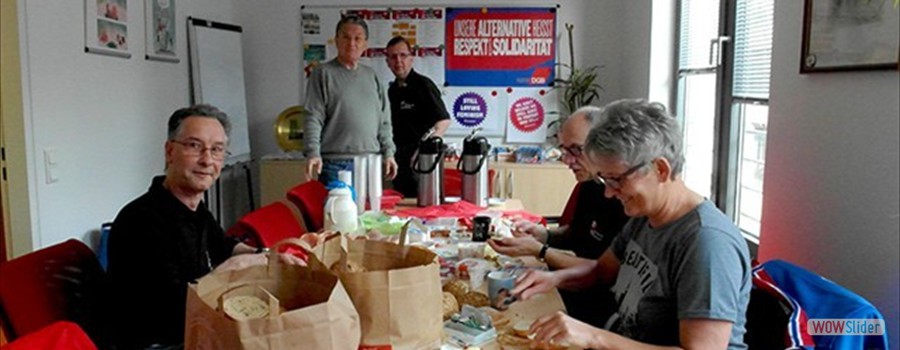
(59, 282)
(60, 335)
(310, 198)
(267, 225)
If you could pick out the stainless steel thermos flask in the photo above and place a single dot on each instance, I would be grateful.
(428, 164)
(474, 167)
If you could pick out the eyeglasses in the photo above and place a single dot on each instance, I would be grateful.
(573, 150)
(616, 181)
(399, 56)
(197, 149)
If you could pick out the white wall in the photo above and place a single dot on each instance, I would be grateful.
(615, 34)
(833, 159)
(105, 116)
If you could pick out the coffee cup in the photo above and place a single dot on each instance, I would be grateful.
(481, 226)
(500, 286)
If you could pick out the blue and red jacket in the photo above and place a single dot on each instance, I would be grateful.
(806, 295)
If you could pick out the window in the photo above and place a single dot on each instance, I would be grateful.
(723, 94)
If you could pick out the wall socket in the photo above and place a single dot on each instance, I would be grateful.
(51, 163)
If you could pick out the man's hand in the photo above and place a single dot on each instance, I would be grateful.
(528, 228)
(516, 246)
(313, 168)
(243, 261)
(290, 259)
(390, 168)
(534, 282)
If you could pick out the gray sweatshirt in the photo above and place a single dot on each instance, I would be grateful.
(347, 112)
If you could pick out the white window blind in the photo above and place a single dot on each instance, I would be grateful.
(753, 48)
(699, 23)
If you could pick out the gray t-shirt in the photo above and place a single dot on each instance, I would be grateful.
(697, 266)
(347, 112)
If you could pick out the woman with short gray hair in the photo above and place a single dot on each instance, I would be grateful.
(680, 269)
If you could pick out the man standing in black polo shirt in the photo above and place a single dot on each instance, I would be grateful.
(416, 107)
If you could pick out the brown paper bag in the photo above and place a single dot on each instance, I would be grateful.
(398, 293)
(315, 310)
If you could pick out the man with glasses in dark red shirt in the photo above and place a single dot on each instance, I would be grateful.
(596, 221)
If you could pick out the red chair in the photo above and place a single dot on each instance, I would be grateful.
(310, 198)
(60, 335)
(453, 182)
(56, 283)
(266, 226)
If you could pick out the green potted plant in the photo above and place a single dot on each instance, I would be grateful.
(580, 87)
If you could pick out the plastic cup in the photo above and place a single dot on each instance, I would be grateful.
(471, 250)
(476, 276)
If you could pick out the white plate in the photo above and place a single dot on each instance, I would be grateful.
(496, 201)
(451, 199)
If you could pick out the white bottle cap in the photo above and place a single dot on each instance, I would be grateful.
(346, 176)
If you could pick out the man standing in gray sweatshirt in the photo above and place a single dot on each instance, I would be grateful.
(348, 112)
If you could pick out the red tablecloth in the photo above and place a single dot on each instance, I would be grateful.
(463, 210)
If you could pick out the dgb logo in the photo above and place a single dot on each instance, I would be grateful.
(540, 76)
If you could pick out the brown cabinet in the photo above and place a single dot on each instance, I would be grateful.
(277, 176)
(542, 188)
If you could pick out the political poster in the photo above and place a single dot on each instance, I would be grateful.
(472, 108)
(505, 47)
(530, 110)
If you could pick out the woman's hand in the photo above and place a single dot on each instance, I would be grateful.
(534, 282)
(561, 329)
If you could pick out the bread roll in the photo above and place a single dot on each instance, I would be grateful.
(451, 306)
(521, 328)
(458, 288)
(476, 299)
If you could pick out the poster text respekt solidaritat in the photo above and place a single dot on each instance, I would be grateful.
(500, 46)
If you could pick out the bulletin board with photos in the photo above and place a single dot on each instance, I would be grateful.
(495, 66)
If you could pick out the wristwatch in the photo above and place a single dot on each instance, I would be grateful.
(543, 252)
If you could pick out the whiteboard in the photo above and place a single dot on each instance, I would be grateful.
(217, 77)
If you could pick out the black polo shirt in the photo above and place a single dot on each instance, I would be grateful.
(156, 246)
(415, 107)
